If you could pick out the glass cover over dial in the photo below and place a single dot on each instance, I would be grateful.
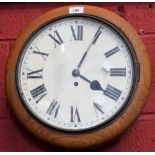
(75, 73)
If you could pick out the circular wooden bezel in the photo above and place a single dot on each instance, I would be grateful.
(92, 138)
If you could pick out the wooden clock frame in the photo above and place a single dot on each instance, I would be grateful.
(95, 137)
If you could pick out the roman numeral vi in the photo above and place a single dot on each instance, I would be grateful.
(75, 114)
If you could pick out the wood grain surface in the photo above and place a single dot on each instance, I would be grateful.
(94, 138)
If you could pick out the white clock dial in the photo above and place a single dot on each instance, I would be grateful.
(75, 73)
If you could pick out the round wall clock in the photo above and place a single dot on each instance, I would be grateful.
(78, 76)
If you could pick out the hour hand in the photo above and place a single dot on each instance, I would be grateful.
(94, 85)
(76, 73)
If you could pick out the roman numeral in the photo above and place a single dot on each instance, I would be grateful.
(112, 92)
(38, 93)
(98, 33)
(111, 52)
(44, 55)
(53, 108)
(77, 32)
(34, 74)
(118, 72)
(98, 108)
(75, 114)
(57, 39)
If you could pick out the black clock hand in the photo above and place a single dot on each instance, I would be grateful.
(84, 78)
(94, 85)
(76, 73)
(87, 50)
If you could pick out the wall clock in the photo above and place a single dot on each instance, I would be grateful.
(78, 76)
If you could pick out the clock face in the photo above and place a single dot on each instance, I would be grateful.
(75, 73)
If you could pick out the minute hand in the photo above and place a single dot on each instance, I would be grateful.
(87, 50)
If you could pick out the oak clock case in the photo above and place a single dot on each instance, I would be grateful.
(78, 76)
